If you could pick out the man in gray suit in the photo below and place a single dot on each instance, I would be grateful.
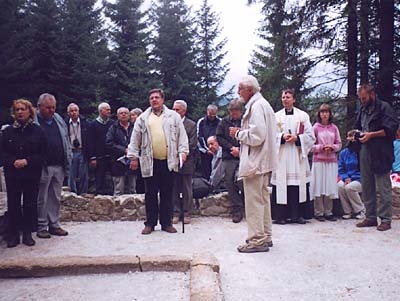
(183, 179)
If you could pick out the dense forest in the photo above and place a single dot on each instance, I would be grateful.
(89, 51)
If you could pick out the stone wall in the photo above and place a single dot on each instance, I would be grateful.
(129, 207)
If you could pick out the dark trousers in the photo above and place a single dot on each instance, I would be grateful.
(293, 210)
(205, 161)
(161, 182)
(235, 193)
(183, 184)
(22, 217)
(102, 185)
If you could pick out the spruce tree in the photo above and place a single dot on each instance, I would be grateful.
(210, 54)
(280, 63)
(130, 64)
(173, 51)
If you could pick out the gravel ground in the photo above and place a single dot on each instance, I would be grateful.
(317, 261)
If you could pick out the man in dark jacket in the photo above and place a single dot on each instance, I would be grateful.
(98, 155)
(206, 127)
(183, 179)
(78, 130)
(230, 157)
(377, 124)
(117, 141)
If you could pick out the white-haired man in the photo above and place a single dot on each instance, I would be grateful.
(58, 161)
(258, 158)
(99, 156)
(183, 179)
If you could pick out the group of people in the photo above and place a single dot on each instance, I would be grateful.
(261, 157)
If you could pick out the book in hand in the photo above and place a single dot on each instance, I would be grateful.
(124, 160)
(300, 128)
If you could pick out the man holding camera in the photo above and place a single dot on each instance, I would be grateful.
(78, 129)
(377, 125)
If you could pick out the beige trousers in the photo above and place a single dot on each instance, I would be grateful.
(350, 197)
(258, 209)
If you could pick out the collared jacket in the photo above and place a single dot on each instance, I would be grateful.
(191, 131)
(141, 147)
(62, 127)
(84, 124)
(28, 143)
(258, 153)
(382, 117)
(117, 141)
(226, 141)
(206, 128)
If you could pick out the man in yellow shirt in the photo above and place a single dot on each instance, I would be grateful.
(160, 143)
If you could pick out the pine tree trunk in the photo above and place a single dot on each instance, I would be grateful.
(364, 40)
(386, 48)
(351, 60)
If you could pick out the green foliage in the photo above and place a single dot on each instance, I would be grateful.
(280, 63)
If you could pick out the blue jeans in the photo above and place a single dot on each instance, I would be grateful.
(78, 175)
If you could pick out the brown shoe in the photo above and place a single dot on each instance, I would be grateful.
(384, 226)
(169, 229)
(147, 230)
(58, 231)
(367, 223)
(237, 217)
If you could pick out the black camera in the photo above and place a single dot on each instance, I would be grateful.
(76, 143)
(358, 135)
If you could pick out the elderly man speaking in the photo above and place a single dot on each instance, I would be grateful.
(258, 158)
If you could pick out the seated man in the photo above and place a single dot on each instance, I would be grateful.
(217, 169)
(350, 180)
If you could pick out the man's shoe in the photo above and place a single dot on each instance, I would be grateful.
(346, 216)
(237, 217)
(13, 241)
(367, 223)
(384, 226)
(360, 215)
(27, 239)
(280, 222)
(175, 220)
(169, 229)
(58, 231)
(320, 218)
(270, 244)
(300, 221)
(331, 218)
(43, 234)
(250, 248)
(147, 230)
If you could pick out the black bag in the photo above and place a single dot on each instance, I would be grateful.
(201, 188)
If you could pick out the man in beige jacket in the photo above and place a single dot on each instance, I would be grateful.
(160, 142)
(258, 158)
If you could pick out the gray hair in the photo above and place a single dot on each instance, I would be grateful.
(122, 108)
(182, 103)
(212, 107)
(251, 82)
(235, 104)
(136, 111)
(103, 105)
(72, 104)
(43, 97)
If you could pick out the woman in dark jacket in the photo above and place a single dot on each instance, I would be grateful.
(23, 145)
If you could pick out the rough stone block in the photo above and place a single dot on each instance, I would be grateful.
(204, 284)
(207, 259)
(214, 211)
(164, 263)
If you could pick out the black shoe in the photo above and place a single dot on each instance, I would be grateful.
(320, 218)
(280, 222)
(237, 217)
(13, 241)
(27, 239)
(331, 218)
(300, 221)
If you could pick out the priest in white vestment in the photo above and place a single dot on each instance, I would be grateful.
(290, 191)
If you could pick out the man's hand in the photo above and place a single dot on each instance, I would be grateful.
(365, 137)
(235, 151)
(290, 138)
(134, 164)
(183, 156)
(93, 163)
(233, 131)
(21, 163)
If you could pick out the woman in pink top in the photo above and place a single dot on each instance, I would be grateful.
(325, 168)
